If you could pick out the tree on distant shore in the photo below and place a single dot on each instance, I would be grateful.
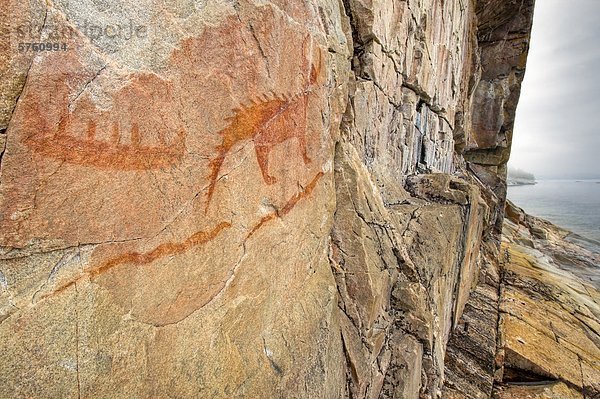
(515, 173)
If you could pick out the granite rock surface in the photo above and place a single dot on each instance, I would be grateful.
(265, 199)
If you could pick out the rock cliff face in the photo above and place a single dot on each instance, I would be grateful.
(264, 199)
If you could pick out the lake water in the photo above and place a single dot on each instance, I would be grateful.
(574, 205)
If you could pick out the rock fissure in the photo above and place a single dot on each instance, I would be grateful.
(85, 86)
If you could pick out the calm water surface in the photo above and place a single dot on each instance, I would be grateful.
(574, 205)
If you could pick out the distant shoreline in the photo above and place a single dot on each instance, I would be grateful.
(578, 180)
(513, 183)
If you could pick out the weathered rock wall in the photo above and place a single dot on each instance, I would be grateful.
(435, 90)
(503, 30)
(253, 198)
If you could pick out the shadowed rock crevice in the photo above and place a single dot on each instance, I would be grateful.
(525, 377)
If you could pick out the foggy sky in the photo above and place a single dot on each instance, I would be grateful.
(557, 131)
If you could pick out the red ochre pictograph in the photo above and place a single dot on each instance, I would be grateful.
(77, 139)
(199, 238)
(144, 258)
(129, 136)
(142, 131)
(267, 121)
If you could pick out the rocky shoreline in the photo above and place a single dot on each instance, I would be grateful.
(549, 341)
(531, 326)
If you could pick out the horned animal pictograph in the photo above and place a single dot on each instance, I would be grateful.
(268, 121)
